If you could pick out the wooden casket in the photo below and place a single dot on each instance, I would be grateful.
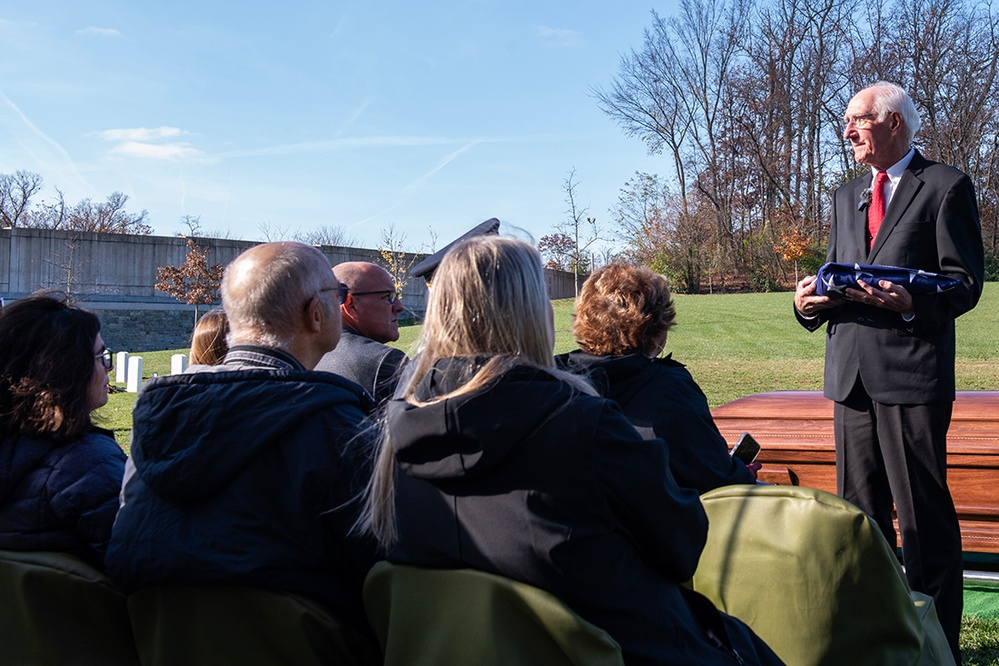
(795, 431)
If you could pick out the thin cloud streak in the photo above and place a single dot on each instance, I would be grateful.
(58, 161)
(419, 182)
(155, 151)
(411, 189)
(93, 31)
(560, 37)
(139, 133)
(354, 143)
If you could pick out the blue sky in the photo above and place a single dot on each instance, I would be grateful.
(432, 115)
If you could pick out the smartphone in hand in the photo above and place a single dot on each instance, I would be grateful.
(746, 449)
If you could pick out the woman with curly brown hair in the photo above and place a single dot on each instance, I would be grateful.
(623, 315)
(59, 474)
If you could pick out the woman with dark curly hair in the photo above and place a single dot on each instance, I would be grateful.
(623, 315)
(59, 474)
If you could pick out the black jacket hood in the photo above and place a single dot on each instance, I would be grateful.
(466, 435)
(616, 377)
(194, 431)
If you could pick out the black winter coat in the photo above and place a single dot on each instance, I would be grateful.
(529, 479)
(243, 477)
(60, 497)
(661, 399)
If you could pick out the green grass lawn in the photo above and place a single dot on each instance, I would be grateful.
(736, 345)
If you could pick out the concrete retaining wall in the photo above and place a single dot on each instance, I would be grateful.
(114, 275)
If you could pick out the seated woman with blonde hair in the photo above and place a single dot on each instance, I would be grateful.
(623, 315)
(492, 459)
(59, 474)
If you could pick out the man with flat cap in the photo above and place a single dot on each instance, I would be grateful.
(370, 317)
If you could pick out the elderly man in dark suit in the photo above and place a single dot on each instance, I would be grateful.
(890, 353)
(370, 319)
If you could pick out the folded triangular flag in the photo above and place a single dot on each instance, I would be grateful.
(834, 279)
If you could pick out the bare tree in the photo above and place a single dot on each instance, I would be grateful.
(326, 234)
(394, 257)
(673, 95)
(579, 227)
(746, 103)
(948, 57)
(67, 264)
(49, 215)
(192, 226)
(272, 232)
(673, 237)
(107, 217)
(16, 190)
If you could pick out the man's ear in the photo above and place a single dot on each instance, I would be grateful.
(895, 121)
(348, 310)
(314, 315)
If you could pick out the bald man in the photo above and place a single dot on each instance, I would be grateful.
(241, 473)
(370, 316)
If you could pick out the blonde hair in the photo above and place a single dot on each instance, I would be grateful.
(208, 341)
(488, 300)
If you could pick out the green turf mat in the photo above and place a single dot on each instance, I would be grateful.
(981, 599)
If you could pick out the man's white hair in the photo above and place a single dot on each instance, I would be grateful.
(891, 97)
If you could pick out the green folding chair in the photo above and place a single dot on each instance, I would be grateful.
(457, 617)
(244, 626)
(812, 575)
(55, 609)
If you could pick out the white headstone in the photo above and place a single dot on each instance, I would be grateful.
(178, 364)
(121, 367)
(134, 374)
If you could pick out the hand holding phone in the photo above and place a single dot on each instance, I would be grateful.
(746, 449)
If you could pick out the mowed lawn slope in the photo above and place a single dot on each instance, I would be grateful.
(734, 345)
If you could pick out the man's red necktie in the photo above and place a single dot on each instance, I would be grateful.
(877, 211)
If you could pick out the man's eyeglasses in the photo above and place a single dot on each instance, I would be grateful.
(342, 295)
(390, 295)
(860, 122)
(106, 358)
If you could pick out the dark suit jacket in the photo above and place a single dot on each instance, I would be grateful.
(369, 363)
(931, 224)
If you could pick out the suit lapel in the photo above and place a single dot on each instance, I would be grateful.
(908, 185)
(854, 244)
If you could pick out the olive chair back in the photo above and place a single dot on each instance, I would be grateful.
(814, 578)
(56, 609)
(459, 617)
(181, 625)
